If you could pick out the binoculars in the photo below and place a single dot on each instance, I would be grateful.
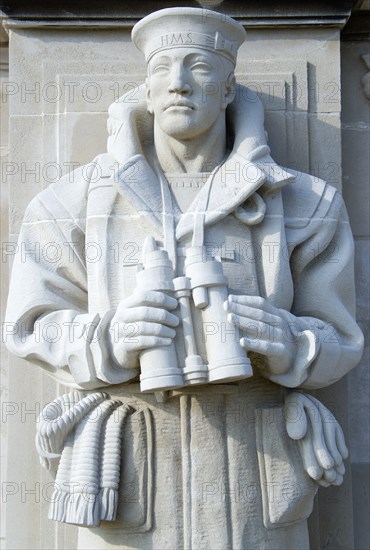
(204, 285)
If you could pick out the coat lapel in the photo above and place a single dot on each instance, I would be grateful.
(234, 182)
(137, 181)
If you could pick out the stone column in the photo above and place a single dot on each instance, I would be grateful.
(4, 154)
(355, 76)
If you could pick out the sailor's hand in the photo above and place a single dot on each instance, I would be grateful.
(263, 330)
(142, 321)
(320, 438)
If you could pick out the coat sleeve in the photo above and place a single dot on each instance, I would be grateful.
(47, 320)
(329, 341)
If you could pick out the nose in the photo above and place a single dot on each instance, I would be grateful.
(179, 83)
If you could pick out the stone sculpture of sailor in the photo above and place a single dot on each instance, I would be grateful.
(192, 343)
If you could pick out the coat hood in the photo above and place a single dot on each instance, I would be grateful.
(249, 166)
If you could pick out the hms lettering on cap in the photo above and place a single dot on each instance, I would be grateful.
(188, 27)
(176, 39)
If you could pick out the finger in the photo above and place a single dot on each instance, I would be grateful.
(252, 313)
(155, 329)
(295, 417)
(253, 301)
(338, 481)
(329, 426)
(145, 342)
(262, 346)
(309, 460)
(323, 483)
(256, 329)
(150, 315)
(151, 298)
(341, 469)
(130, 332)
(324, 458)
(330, 475)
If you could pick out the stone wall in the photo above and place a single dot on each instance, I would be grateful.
(64, 73)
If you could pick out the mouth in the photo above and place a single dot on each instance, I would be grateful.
(180, 106)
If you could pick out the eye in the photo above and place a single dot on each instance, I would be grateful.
(201, 67)
(160, 69)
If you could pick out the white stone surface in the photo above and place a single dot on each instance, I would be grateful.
(4, 158)
(300, 127)
(356, 140)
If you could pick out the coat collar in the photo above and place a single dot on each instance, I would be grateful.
(248, 168)
(235, 181)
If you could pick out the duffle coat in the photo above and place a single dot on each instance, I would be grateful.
(220, 469)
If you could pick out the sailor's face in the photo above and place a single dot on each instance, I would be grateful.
(188, 89)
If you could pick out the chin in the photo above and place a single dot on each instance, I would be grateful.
(182, 129)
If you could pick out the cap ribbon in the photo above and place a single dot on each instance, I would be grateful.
(216, 43)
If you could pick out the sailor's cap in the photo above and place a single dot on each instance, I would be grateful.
(186, 27)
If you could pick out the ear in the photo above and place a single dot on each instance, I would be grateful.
(148, 96)
(229, 91)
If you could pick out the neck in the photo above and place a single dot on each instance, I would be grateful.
(198, 154)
